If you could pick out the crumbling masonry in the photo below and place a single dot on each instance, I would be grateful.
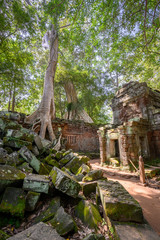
(136, 126)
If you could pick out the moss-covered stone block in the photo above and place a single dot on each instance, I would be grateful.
(51, 161)
(38, 232)
(44, 169)
(9, 124)
(128, 231)
(32, 200)
(50, 212)
(88, 188)
(58, 155)
(84, 169)
(29, 157)
(25, 167)
(93, 175)
(64, 182)
(16, 143)
(74, 164)
(36, 183)
(118, 204)
(3, 156)
(13, 202)
(88, 213)
(22, 134)
(10, 176)
(63, 222)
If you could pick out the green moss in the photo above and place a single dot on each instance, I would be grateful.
(3, 235)
(53, 174)
(7, 219)
(13, 202)
(88, 213)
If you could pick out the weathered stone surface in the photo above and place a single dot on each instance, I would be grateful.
(118, 204)
(88, 213)
(10, 176)
(11, 124)
(36, 183)
(2, 128)
(32, 200)
(10, 115)
(22, 134)
(74, 164)
(50, 212)
(58, 155)
(30, 158)
(35, 150)
(16, 143)
(93, 175)
(135, 232)
(89, 188)
(84, 169)
(3, 156)
(40, 231)
(94, 237)
(42, 143)
(64, 182)
(13, 201)
(1, 143)
(25, 168)
(66, 158)
(63, 222)
(51, 161)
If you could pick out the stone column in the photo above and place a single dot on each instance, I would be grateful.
(102, 143)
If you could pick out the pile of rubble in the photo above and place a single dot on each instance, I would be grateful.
(35, 175)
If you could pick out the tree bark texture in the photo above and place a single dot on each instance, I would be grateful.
(46, 111)
(76, 112)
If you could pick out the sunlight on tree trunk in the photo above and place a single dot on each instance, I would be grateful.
(75, 111)
(46, 111)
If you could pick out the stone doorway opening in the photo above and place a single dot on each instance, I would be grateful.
(114, 148)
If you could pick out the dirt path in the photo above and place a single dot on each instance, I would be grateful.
(148, 198)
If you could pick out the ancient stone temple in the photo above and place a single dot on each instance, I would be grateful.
(136, 126)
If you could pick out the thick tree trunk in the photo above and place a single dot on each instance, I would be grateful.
(75, 112)
(13, 100)
(9, 103)
(46, 111)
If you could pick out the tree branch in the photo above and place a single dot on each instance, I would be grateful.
(145, 15)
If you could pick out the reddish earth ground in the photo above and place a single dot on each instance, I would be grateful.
(148, 198)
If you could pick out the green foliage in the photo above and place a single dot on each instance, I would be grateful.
(102, 45)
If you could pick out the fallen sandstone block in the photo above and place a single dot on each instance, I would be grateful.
(10, 176)
(134, 232)
(63, 222)
(40, 231)
(30, 158)
(88, 213)
(36, 183)
(93, 175)
(118, 204)
(50, 212)
(32, 200)
(13, 202)
(64, 182)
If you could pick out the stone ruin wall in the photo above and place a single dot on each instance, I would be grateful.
(136, 124)
(136, 100)
(78, 135)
